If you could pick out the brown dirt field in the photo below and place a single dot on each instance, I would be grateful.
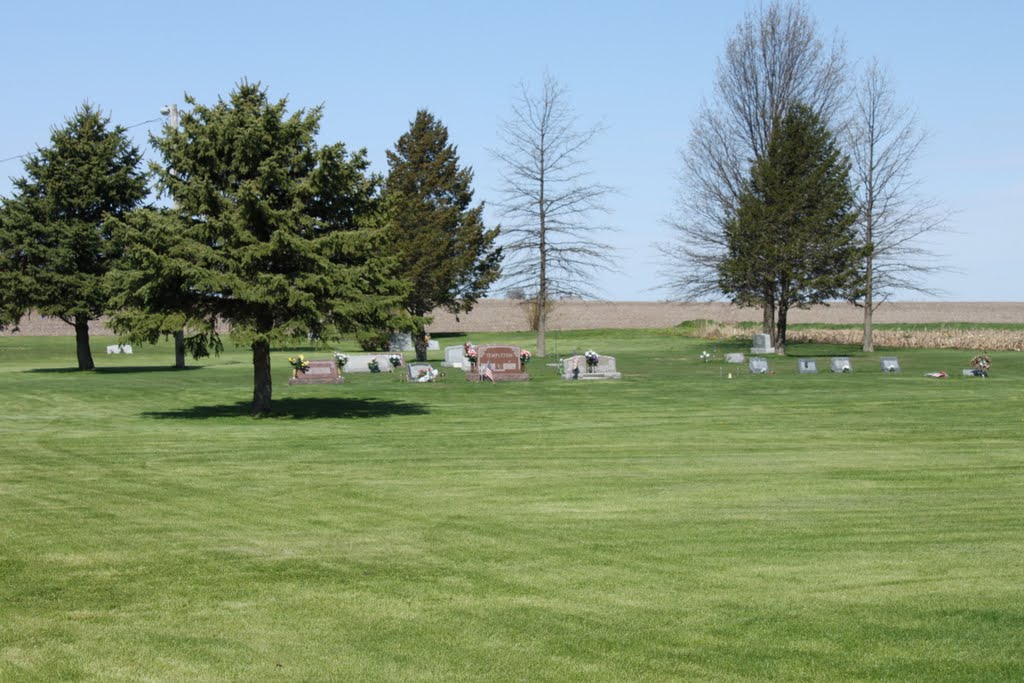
(504, 315)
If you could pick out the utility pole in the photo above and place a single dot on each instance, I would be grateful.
(171, 112)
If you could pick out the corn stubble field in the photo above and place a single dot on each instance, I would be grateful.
(673, 525)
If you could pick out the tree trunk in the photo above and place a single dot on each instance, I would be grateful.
(82, 343)
(179, 349)
(869, 304)
(261, 383)
(419, 342)
(780, 329)
(768, 316)
(542, 325)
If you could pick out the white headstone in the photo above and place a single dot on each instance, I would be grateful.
(360, 362)
(455, 357)
(734, 358)
(605, 368)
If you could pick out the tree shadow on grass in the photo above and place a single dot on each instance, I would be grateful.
(128, 369)
(300, 409)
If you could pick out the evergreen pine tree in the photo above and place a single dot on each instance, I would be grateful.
(277, 236)
(446, 253)
(55, 247)
(793, 242)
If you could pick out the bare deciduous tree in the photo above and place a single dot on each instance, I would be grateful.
(884, 141)
(548, 201)
(774, 60)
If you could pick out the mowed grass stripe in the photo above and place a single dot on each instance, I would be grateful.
(674, 525)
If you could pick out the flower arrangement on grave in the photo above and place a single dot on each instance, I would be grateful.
(396, 360)
(341, 359)
(469, 351)
(981, 364)
(705, 356)
(373, 365)
(299, 364)
(524, 357)
(592, 358)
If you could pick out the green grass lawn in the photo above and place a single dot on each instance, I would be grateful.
(673, 525)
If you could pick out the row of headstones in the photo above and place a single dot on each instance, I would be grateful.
(496, 362)
(809, 366)
(504, 362)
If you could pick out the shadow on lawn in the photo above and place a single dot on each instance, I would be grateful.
(299, 409)
(128, 369)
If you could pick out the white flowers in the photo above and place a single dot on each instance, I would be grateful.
(705, 356)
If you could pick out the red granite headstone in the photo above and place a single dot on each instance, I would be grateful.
(319, 372)
(503, 363)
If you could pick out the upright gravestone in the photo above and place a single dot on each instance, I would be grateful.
(498, 363)
(807, 366)
(890, 364)
(576, 367)
(319, 372)
(455, 357)
(758, 366)
(762, 345)
(840, 364)
(360, 362)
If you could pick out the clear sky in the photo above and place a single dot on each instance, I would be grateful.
(640, 67)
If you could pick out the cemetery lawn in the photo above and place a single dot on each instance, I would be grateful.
(673, 525)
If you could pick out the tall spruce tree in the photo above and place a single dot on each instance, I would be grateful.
(150, 291)
(446, 252)
(278, 237)
(55, 247)
(793, 240)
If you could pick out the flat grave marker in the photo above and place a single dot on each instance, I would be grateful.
(758, 366)
(889, 364)
(319, 372)
(807, 366)
(840, 364)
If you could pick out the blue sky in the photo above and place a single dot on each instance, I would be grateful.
(641, 68)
